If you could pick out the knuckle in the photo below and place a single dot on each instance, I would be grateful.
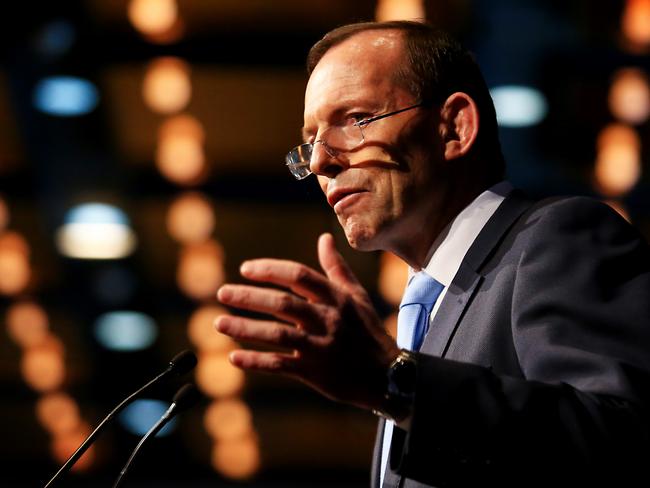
(284, 302)
(279, 335)
(301, 274)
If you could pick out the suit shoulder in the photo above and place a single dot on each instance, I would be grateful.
(580, 215)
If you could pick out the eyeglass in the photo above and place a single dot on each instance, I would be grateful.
(335, 139)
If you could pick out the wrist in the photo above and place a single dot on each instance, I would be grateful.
(399, 392)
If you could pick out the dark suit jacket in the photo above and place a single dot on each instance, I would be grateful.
(535, 371)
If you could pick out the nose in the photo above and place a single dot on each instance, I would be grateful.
(325, 161)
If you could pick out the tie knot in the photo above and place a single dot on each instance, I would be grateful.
(421, 289)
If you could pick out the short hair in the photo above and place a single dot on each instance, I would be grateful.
(436, 66)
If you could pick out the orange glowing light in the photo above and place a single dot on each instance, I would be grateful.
(4, 214)
(393, 274)
(629, 96)
(237, 458)
(13, 241)
(58, 413)
(635, 23)
(27, 324)
(216, 377)
(228, 419)
(166, 87)
(399, 10)
(202, 333)
(185, 126)
(390, 324)
(190, 219)
(15, 272)
(618, 135)
(181, 159)
(63, 445)
(618, 162)
(153, 17)
(200, 270)
(180, 156)
(43, 367)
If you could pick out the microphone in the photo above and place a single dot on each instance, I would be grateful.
(184, 398)
(180, 364)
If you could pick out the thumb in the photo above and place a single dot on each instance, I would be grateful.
(335, 267)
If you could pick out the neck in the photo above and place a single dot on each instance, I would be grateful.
(417, 237)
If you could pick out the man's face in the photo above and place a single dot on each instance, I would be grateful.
(384, 191)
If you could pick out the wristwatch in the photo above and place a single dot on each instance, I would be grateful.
(400, 387)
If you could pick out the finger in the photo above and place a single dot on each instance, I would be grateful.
(299, 278)
(333, 263)
(269, 362)
(280, 304)
(261, 331)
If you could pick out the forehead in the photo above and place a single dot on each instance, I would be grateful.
(363, 65)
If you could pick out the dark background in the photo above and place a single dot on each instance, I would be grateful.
(248, 78)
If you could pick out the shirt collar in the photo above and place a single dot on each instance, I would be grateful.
(450, 247)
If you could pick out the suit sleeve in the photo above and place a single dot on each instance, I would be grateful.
(580, 323)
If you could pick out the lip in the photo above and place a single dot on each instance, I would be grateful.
(337, 196)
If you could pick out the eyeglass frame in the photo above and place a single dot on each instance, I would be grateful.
(360, 124)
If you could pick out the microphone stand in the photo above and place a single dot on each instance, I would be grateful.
(181, 363)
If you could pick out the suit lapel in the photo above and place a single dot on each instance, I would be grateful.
(468, 278)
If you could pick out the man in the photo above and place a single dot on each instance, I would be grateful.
(532, 366)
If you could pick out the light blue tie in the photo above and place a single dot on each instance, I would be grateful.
(417, 303)
(421, 294)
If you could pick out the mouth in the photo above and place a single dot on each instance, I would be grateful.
(343, 195)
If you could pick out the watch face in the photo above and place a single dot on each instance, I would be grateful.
(402, 376)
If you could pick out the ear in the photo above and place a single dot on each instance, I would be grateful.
(459, 124)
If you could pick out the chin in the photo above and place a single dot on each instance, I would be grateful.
(361, 238)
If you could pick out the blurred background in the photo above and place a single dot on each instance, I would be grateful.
(141, 160)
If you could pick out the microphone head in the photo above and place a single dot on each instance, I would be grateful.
(186, 397)
(183, 362)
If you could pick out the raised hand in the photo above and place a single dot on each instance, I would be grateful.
(335, 339)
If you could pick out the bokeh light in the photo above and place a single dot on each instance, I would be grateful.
(65, 96)
(399, 10)
(635, 24)
(228, 419)
(190, 219)
(125, 330)
(237, 458)
(202, 333)
(63, 445)
(43, 367)
(200, 270)
(618, 165)
(629, 96)
(153, 17)
(4, 214)
(27, 324)
(390, 324)
(166, 87)
(56, 38)
(58, 413)
(180, 156)
(216, 377)
(96, 231)
(393, 274)
(518, 106)
(15, 272)
(140, 416)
